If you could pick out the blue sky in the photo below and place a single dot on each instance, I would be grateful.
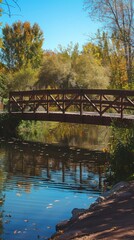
(62, 21)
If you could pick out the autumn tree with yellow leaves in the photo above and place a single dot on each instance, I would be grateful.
(117, 17)
(22, 45)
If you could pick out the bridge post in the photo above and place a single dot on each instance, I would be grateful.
(81, 103)
(21, 98)
(9, 103)
(122, 107)
(47, 104)
(63, 104)
(100, 105)
(34, 104)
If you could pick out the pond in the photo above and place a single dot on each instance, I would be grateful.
(40, 184)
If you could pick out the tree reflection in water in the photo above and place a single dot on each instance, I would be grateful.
(69, 134)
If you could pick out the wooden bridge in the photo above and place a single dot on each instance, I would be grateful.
(94, 106)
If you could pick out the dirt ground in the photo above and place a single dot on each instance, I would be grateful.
(110, 218)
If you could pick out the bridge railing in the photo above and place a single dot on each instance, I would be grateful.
(78, 101)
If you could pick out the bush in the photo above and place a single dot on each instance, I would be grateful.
(122, 160)
(8, 125)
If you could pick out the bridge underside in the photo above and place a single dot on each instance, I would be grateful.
(105, 120)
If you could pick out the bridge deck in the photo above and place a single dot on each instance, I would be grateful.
(86, 118)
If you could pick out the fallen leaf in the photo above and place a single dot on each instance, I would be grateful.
(18, 194)
(48, 227)
(26, 220)
(49, 207)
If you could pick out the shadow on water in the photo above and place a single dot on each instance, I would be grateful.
(41, 184)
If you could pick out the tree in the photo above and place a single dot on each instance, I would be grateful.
(111, 55)
(90, 73)
(3, 86)
(55, 71)
(23, 79)
(8, 5)
(122, 153)
(70, 69)
(118, 16)
(22, 45)
(117, 64)
(0, 22)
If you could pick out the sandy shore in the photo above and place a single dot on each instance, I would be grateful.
(110, 218)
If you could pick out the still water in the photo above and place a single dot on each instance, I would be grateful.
(41, 184)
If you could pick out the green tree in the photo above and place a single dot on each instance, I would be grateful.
(90, 73)
(118, 16)
(119, 77)
(23, 79)
(112, 56)
(122, 153)
(95, 50)
(22, 45)
(3, 85)
(68, 68)
(57, 70)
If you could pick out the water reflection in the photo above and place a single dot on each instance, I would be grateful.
(68, 134)
(34, 178)
(72, 166)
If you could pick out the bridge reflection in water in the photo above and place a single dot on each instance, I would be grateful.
(62, 167)
(86, 106)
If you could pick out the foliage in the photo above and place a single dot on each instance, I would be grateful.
(22, 79)
(118, 17)
(90, 74)
(3, 86)
(117, 64)
(111, 55)
(122, 153)
(37, 131)
(70, 69)
(68, 134)
(94, 50)
(121, 134)
(8, 125)
(122, 160)
(22, 45)
(54, 72)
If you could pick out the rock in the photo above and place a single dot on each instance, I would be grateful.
(62, 225)
(116, 188)
(77, 211)
(100, 199)
(120, 185)
(125, 195)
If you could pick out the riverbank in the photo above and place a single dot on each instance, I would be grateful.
(110, 218)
